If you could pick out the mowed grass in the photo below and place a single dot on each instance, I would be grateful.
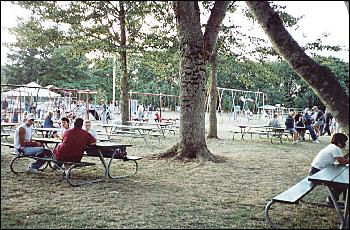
(172, 194)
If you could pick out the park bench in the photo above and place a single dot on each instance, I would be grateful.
(291, 196)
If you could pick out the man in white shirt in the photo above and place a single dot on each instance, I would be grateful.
(23, 143)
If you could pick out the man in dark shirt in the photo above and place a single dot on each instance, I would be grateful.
(74, 143)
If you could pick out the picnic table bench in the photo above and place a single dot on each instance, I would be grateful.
(68, 175)
(291, 196)
(330, 176)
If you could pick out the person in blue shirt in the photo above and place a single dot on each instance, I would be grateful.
(48, 123)
(289, 123)
(308, 125)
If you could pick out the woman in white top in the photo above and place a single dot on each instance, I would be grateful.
(328, 156)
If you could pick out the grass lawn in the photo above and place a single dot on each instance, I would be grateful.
(171, 194)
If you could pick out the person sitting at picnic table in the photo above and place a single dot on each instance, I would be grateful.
(23, 140)
(330, 154)
(308, 125)
(290, 127)
(64, 128)
(87, 127)
(48, 123)
(74, 143)
(158, 118)
(274, 122)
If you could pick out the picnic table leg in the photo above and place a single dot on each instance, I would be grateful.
(337, 209)
(346, 211)
(103, 162)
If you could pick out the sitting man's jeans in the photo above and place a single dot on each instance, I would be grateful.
(38, 152)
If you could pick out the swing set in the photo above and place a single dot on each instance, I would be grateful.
(165, 101)
(238, 99)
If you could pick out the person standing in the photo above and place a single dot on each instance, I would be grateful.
(104, 112)
(308, 125)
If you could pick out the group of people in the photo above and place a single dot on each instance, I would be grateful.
(74, 142)
(315, 121)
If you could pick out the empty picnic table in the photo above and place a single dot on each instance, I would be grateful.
(246, 128)
(9, 125)
(142, 131)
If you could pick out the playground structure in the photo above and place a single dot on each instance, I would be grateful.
(239, 102)
(32, 96)
(166, 102)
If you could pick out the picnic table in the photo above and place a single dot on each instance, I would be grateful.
(47, 141)
(9, 125)
(49, 131)
(141, 130)
(330, 176)
(100, 146)
(162, 126)
(246, 128)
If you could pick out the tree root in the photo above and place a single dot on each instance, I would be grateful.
(191, 154)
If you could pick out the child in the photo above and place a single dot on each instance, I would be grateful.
(328, 156)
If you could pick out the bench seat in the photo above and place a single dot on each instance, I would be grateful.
(291, 196)
(296, 192)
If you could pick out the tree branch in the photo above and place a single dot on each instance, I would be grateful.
(213, 26)
(322, 81)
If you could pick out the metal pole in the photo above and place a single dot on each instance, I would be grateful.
(113, 101)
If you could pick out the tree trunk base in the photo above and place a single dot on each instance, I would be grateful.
(196, 154)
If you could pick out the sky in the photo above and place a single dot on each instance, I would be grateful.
(319, 17)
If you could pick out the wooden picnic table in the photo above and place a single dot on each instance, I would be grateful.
(162, 126)
(246, 128)
(335, 175)
(49, 131)
(47, 141)
(8, 124)
(142, 130)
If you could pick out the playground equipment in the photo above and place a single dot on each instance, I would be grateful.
(165, 100)
(34, 91)
(240, 101)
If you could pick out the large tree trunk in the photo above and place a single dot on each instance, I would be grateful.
(195, 51)
(213, 130)
(124, 86)
(322, 81)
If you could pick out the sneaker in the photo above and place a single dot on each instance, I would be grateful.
(296, 143)
(316, 141)
(32, 170)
